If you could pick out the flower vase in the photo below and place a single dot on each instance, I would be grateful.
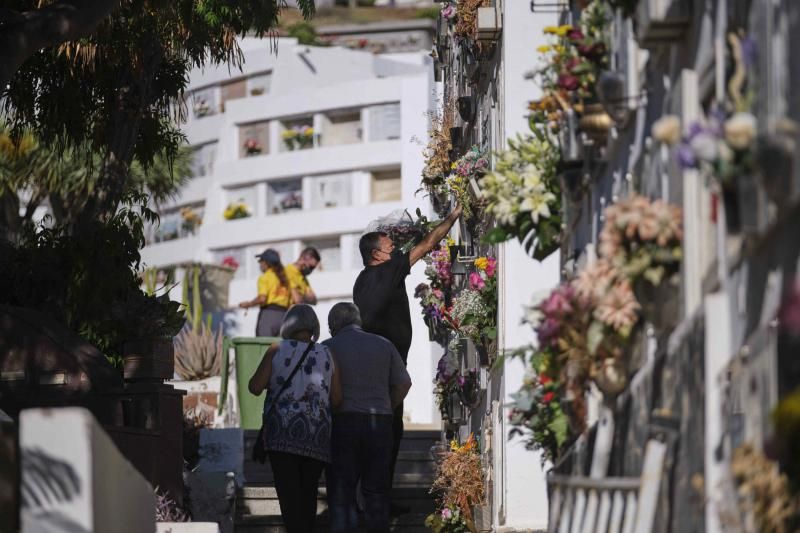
(487, 350)
(595, 122)
(748, 203)
(470, 397)
(571, 177)
(611, 377)
(455, 409)
(730, 201)
(438, 452)
(660, 304)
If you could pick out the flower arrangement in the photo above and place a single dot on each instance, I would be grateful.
(236, 210)
(576, 55)
(298, 137)
(230, 262)
(460, 481)
(405, 231)
(474, 309)
(724, 146)
(191, 219)
(445, 383)
(471, 166)
(448, 519)
(293, 200)
(467, 19)
(438, 265)
(535, 408)
(434, 311)
(448, 11)
(252, 147)
(642, 238)
(763, 492)
(201, 108)
(523, 195)
(437, 151)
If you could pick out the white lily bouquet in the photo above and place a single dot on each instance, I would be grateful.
(524, 197)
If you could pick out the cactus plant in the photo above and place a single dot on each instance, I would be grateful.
(198, 348)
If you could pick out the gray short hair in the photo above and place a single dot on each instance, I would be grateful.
(343, 314)
(300, 317)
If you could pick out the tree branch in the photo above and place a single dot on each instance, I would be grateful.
(30, 31)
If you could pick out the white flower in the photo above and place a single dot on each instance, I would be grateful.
(667, 130)
(531, 177)
(504, 212)
(705, 147)
(537, 205)
(740, 130)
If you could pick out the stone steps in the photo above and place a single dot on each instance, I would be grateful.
(257, 508)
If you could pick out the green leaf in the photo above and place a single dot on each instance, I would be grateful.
(594, 336)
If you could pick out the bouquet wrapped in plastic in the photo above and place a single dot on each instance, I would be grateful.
(402, 228)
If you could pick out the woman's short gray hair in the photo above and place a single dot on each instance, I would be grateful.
(343, 314)
(300, 317)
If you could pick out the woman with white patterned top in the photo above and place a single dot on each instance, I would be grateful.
(297, 429)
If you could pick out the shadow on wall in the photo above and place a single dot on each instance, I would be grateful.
(47, 483)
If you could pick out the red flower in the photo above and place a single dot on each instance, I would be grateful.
(544, 380)
(575, 35)
(568, 82)
(548, 397)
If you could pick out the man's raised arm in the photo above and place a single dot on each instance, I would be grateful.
(434, 237)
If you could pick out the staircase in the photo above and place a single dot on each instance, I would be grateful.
(258, 511)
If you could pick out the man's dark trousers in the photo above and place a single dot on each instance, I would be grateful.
(361, 449)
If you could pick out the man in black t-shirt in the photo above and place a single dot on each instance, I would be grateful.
(380, 294)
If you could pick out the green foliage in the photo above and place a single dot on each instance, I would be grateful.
(304, 32)
(428, 13)
(119, 90)
(89, 282)
(65, 180)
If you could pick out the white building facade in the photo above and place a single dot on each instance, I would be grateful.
(368, 117)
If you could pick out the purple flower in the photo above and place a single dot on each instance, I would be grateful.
(568, 82)
(449, 11)
(547, 331)
(686, 158)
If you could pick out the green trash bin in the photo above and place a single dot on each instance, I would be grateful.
(249, 352)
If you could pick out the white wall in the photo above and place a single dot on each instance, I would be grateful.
(524, 489)
(75, 479)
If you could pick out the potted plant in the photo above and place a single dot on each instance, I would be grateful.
(290, 138)
(236, 210)
(252, 147)
(305, 137)
(191, 220)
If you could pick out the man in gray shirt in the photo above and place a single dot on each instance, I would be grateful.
(374, 381)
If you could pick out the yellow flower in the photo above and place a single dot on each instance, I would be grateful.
(559, 49)
(561, 31)
(543, 49)
(551, 30)
(453, 166)
(481, 263)
(450, 241)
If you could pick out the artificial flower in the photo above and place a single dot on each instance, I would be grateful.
(667, 130)
(740, 130)
(476, 281)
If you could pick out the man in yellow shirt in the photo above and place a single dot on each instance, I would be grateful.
(298, 271)
(275, 294)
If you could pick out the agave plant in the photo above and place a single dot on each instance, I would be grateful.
(198, 348)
